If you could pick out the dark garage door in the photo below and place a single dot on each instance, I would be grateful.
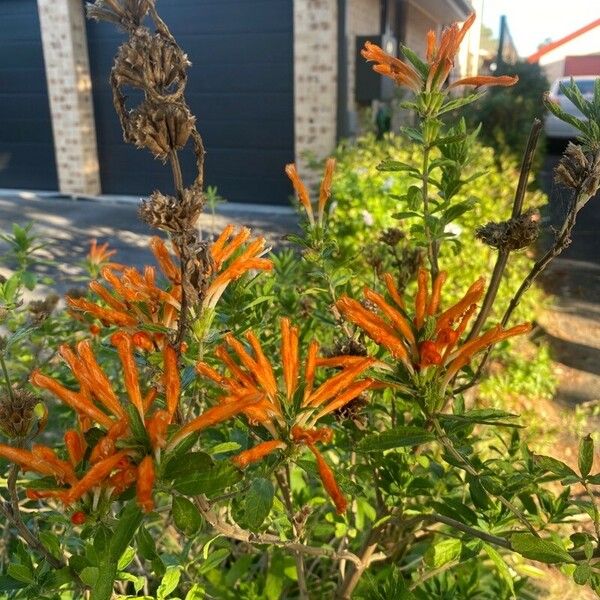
(240, 88)
(26, 143)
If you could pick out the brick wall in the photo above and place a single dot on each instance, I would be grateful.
(315, 78)
(363, 18)
(69, 89)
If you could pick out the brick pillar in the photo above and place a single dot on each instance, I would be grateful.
(315, 78)
(70, 91)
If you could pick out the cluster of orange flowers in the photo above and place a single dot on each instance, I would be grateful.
(134, 300)
(289, 411)
(439, 65)
(431, 338)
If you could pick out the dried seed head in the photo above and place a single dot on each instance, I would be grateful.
(578, 170)
(17, 413)
(197, 264)
(392, 236)
(41, 309)
(127, 13)
(347, 347)
(172, 215)
(76, 293)
(153, 63)
(160, 128)
(513, 234)
(353, 411)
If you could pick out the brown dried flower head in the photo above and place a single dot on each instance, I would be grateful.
(578, 170)
(129, 14)
(514, 234)
(41, 309)
(170, 214)
(152, 63)
(17, 413)
(160, 128)
(392, 236)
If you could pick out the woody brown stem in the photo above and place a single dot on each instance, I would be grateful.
(503, 253)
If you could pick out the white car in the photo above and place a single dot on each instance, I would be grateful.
(555, 128)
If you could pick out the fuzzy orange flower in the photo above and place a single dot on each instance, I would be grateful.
(132, 300)
(431, 338)
(303, 194)
(289, 410)
(99, 254)
(440, 60)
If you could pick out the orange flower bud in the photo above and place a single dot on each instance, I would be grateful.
(75, 445)
(78, 518)
(247, 457)
(142, 341)
(429, 354)
(145, 484)
(95, 329)
(329, 482)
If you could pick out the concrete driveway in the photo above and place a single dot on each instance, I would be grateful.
(67, 226)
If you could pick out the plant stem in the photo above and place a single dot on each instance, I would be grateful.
(469, 468)
(596, 512)
(431, 245)
(9, 389)
(285, 487)
(353, 576)
(503, 253)
(12, 513)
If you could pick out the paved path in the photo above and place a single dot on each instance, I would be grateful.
(67, 227)
(573, 323)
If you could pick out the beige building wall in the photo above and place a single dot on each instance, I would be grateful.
(70, 91)
(315, 79)
(419, 23)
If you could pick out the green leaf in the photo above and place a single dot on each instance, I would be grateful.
(129, 521)
(137, 425)
(146, 545)
(89, 576)
(275, 577)
(530, 546)
(415, 60)
(169, 582)
(225, 447)
(395, 438)
(213, 560)
(20, 573)
(196, 592)
(192, 463)
(186, 516)
(209, 481)
(586, 455)
(554, 466)
(126, 558)
(394, 165)
(442, 553)
(501, 566)
(258, 503)
(582, 574)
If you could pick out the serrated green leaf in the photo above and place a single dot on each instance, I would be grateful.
(399, 437)
(191, 463)
(548, 463)
(130, 519)
(210, 481)
(582, 574)
(546, 551)
(258, 502)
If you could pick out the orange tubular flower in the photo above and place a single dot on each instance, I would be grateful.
(439, 63)
(131, 299)
(432, 339)
(145, 484)
(252, 377)
(99, 255)
(303, 195)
